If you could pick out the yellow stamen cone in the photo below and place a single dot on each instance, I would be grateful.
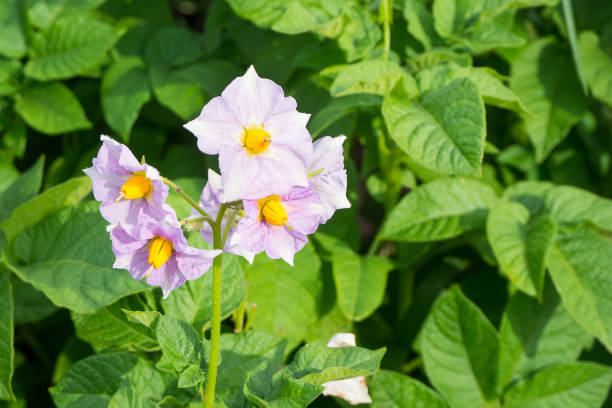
(137, 186)
(255, 140)
(160, 250)
(274, 213)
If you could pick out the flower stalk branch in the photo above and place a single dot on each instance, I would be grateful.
(190, 200)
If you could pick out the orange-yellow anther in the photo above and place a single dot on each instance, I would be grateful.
(274, 213)
(160, 250)
(255, 140)
(137, 186)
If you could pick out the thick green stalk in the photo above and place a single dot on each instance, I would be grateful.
(215, 332)
(386, 14)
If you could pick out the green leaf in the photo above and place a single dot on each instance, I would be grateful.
(42, 13)
(444, 130)
(567, 205)
(179, 342)
(491, 35)
(51, 108)
(147, 318)
(360, 281)
(93, 381)
(288, 17)
(421, 23)
(578, 385)
(6, 337)
(9, 76)
(521, 244)
(440, 209)
(370, 76)
(49, 201)
(597, 66)
(69, 47)
(580, 266)
(109, 328)
(127, 396)
(241, 353)
(316, 364)
(390, 389)
(487, 80)
(125, 89)
(183, 97)
(282, 392)
(12, 38)
(192, 376)
(359, 34)
(460, 351)
(31, 305)
(68, 257)
(282, 291)
(21, 190)
(552, 95)
(174, 46)
(191, 302)
(536, 334)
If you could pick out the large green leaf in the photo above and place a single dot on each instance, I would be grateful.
(370, 76)
(553, 95)
(109, 328)
(578, 385)
(22, 189)
(440, 209)
(536, 334)
(567, 205)
(520, 244)
(93, 381)
(360, 281)
(9, 76)
(42, 13)
(179, 94)
(31, 305)
(6, 336)
(192, 301)
(51, 108)
(597, 66)
(174, 46)
(390, 389)
(68, 256)
(444, 130)
(127, 396)
(125, 89)
(49, 201)
(460, 351)
(487, 80)
(12, 38)
(288, 17)
(581, 268)
(69, 47)
(282, 292)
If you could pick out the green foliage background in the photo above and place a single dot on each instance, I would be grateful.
(477, 250)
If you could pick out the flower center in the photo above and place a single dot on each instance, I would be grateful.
(255, 140)
(137, 186)
(160, 250)
(272, 210)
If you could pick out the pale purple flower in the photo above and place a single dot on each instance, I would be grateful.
(159, 252)
(260, 137)
(352, 390)
(279, 224)
(129, 191)
(210, 201)
(328, 176)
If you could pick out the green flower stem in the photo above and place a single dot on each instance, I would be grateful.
(211, 378)
(190, 200)
(386, 15)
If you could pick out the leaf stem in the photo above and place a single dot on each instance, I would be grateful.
(412, 365)
(190, 200)
(215, 332)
